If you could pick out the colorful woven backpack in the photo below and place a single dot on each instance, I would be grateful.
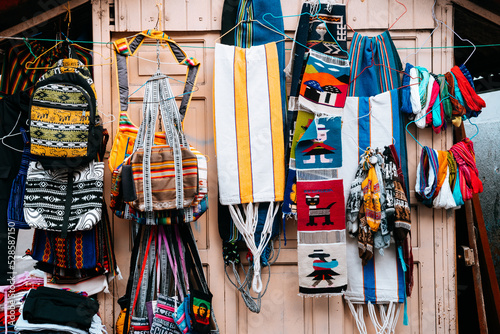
(64, 123)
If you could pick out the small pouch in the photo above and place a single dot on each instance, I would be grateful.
(181, 316)
(200, 308)
(163, 321)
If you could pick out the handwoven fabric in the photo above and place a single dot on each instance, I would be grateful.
(324, 84)
(322, 267)
(321, 145)
(163, 183)
(45, 197)
(375, 65)
(320, 205)
(77, 250)
(248, 124)
(370, 122)
(64, 114)
(123, 144)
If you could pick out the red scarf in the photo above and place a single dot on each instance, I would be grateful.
(470, 184)
(474, 101)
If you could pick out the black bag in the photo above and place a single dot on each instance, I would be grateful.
(47, 305)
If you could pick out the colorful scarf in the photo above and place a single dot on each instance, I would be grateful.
(427, 169)
(470, 184)
(474, 101)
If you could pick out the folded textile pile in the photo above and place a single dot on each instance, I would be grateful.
(59, 311)
(445, 179)
(11, 295)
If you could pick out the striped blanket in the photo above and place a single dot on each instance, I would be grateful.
(371, 122)
(249, 138)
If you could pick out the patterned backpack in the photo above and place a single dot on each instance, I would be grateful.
(65, 127)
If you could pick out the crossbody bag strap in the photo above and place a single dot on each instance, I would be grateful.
(172, 261)
(133, 264)
(67, 203)
(194, 255)
(182, 257)
(174, 135)
(140, 295)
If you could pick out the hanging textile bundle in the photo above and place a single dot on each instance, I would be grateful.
(445, 179)
(249, 139)
(432, 100)
(470, 184)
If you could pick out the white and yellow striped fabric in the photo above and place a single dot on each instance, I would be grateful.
(248, 124)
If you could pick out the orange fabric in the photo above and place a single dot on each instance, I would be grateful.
(443, 168)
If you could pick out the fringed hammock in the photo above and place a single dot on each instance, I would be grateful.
(249, 140)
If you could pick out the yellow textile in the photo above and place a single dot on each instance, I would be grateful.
(371, 199)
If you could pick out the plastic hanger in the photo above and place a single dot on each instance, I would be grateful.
(392, 25)
(438, 24)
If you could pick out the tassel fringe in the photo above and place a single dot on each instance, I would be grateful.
(389, 315)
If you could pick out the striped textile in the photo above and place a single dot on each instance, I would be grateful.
(375, 65)
(372, 122)
(248, 124)
(123, 144)
(15, 77)
(163, 186)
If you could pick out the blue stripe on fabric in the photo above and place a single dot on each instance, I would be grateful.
(369, 282)
(364, 123)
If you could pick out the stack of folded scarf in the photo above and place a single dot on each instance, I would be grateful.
(11, 295)
(432, 100)
(445, 179)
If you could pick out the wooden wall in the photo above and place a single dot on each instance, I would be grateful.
(195, 24)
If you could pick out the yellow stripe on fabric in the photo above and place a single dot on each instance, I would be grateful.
(242, 126)
(275, 105)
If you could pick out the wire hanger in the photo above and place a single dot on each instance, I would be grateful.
(416, 120)
(477, 128)
(315, 15)
(11, 134)
(438, 24)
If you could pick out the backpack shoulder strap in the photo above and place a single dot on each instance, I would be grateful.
(125, 48)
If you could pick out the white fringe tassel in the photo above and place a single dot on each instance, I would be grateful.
(389, 314)
(247, 227)
(358, 316)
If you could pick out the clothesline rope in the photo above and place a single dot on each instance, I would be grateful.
(211, 47)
